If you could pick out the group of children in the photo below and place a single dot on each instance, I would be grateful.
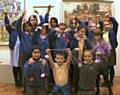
(71, 59)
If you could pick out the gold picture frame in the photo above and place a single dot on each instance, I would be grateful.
(85, 8)
(13, 9)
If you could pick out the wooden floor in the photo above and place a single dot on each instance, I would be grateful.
(9, 89)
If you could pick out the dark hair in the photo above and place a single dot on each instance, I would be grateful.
(98, 33)
(62, 24)
(24, 24)
(34, 16)
(36, 47)
(81, 27)
(60, 53)
(55, 19)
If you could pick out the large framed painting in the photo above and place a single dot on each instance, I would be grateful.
(84, 9)
(13, 8)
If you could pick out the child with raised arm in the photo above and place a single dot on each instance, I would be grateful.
(14, 44)
(60, 71)
(88, 72)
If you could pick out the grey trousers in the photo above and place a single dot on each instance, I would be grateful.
(35, 90)
(86, 92)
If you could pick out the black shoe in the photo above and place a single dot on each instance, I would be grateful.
(97, 93)
(110, 93)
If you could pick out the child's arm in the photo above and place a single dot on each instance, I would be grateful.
(69, 57)
(27, 67)
(50, 57)
(7, 23)
(47, 14)
(19, 23)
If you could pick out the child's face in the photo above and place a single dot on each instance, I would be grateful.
(43, 30)
(59, 59)
(97, 37)
(81, 33)
(107, 26)
(28, 28)
(53, 23)
(36, 54)
(62, 28)
(88, 57)
(33, 21)
(93, 26)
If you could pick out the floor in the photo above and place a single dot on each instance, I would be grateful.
(9, 89)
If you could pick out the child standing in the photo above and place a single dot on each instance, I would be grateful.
(78, 44)
(110, 35)
(102, 51)
(60, 71)
(14, 44)
(88, 72)
(36, 70)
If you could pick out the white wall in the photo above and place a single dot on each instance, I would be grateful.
(56, 11)
(117, 16)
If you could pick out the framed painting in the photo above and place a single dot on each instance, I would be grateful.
(13, 8)
(83, 9)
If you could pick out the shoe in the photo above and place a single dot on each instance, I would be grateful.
(97, 93)
(110, 93)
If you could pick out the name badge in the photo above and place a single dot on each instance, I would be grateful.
(31, 78)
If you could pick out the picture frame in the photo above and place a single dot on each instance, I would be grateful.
(83, 9)
(13, 9)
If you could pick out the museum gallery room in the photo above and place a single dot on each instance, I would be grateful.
(59, 47)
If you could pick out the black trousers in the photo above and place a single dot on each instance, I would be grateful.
(17, 76)
(105, 77)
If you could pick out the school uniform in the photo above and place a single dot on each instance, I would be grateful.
(35, 84)
(87, 78)
(26, 44)
(111, 37)
(104, 48)
(77, 57)
(14, 44)
(42, 42)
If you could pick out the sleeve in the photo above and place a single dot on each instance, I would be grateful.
(115, 25)
(41, 19)
(35, 37)
(7, 24)
(46, 18)
(27, 69)
(88, 44)
(47, 69)
(19, 26)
